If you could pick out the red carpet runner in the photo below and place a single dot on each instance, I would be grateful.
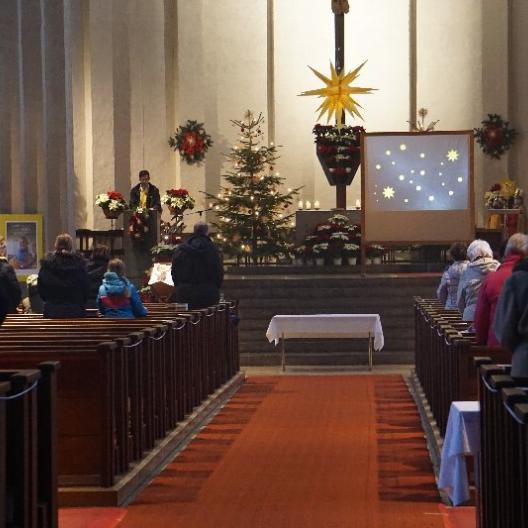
(307, 451)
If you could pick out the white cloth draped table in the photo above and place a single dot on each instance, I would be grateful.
(462, 438)
(326, 326)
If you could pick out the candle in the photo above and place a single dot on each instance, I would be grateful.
(308, 204)
(300, 204)
(358, 204)
(316, 204)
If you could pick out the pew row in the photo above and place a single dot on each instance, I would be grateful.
(128, 391)
(445, 351)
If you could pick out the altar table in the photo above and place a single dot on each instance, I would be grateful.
(326, 326)
(462, 438)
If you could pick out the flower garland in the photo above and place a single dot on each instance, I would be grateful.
(495, 136)
(138, 224)
(191, 141)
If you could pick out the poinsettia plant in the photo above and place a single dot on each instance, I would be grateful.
(178, 199)
(138, 224)
(191, 141)
(112, 201)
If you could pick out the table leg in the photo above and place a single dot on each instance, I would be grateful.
(370, 351)
(283, 351)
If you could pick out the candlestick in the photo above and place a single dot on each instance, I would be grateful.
(358, 204)
(308, 204)
(300, 204)
(316, 204)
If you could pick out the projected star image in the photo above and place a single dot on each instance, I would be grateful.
(408, 173)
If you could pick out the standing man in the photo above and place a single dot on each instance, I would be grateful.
(144, 194)
(197, 270)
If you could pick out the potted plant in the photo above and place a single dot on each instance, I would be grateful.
(162, 252)
(112, 203)
(298, 255)
(338, 240)
(320, 251)
(350, 253)
(178, 201)
(375, 252)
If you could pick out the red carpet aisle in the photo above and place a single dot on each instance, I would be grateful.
(461, 517)
(307, 451)
(90, 517)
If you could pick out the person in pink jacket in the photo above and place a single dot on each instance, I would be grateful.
(516, 249)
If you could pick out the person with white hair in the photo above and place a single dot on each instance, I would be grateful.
(516, 249)
(481, 262)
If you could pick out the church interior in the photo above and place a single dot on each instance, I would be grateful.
(263, 262)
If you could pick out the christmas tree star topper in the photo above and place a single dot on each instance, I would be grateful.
(337, 94)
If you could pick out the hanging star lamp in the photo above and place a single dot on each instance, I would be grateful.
(337, 94)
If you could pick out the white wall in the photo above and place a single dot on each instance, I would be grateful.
(99, 86)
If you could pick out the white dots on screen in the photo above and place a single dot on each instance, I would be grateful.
(393, 163)
(442, 163)
(403, 146)
(422, 173)
(406, 200)
(460, 179)
(431, 198)
(401, 177)
(378, 166)
(422, 155)
(388, 152)
(418, 187)
(412, 171)
(410, 181)
(450, 193)
(443, 184)
(439, 174)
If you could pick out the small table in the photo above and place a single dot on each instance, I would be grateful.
(462, 438)
(326, 326)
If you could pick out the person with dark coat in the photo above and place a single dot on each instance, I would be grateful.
(197, 270)
(511, 319)
(96, 268)
(4, 297)
(489, 292)
(63, 281)
(144, 194)
(11, 285)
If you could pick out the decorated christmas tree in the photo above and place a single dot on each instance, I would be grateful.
(253, 223)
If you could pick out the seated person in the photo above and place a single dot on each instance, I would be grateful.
(96, 268)
(118, 297)
(516, 249)
(481, 262)
(11, 286)
(63, 282)
(447, 290)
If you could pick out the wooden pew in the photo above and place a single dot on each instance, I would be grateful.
(445, 354)
(124, 383)
(30, 476)
(503, 500)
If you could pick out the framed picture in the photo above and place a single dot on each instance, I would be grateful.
(21, 242)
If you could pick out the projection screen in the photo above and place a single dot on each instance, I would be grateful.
(417, 187)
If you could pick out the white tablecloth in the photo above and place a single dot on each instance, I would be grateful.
(462, 438)
(326, 326)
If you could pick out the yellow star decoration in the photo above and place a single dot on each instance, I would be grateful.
(388, 192)
(452, 155)
(337, 92)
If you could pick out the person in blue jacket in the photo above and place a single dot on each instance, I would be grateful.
(117, 296)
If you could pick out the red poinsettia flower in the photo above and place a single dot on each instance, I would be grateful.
(114, 195)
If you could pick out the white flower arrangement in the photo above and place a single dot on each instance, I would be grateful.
(350, 249)
(111, 200)
(339, 219)
(32, 279)
(178, 199)
(323, 227)
(320, 249)
(339, 235)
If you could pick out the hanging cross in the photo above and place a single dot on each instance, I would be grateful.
(340, 8)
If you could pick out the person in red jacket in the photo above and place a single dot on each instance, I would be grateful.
(516, 249)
